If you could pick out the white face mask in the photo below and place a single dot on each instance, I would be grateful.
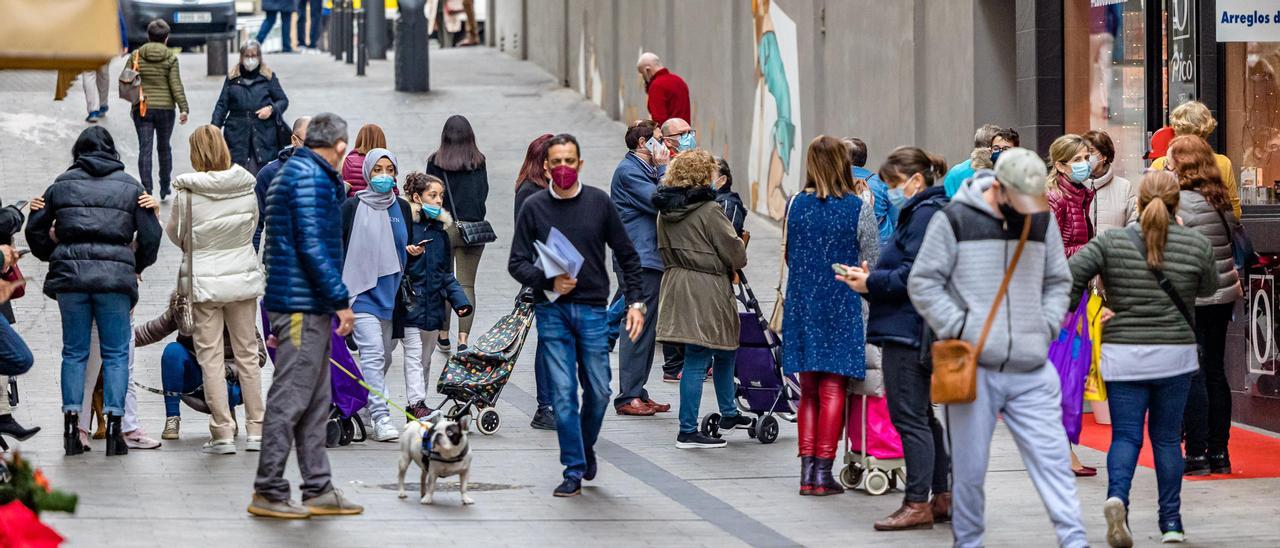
(250, 63)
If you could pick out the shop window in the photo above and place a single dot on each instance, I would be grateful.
(1253, 118)
(1105, 76)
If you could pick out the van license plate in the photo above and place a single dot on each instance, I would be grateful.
(193, 17)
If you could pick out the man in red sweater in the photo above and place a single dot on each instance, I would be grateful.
(668, 94)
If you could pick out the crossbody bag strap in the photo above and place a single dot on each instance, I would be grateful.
(1163, 281)
(188, 241)
(448, 191)
(1004, 284)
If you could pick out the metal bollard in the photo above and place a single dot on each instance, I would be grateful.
(412, 59)
(376, 25)
(336, 15)
(349, 29)
(216, 51)
(362, 41)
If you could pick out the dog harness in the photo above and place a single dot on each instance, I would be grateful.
(433, 455)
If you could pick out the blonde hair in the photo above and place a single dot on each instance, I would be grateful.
(209, 150)
(1062, 150)
(693, 168)
(1157, 202)
(1192, 118)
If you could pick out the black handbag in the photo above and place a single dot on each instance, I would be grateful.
(473, 233)
(1242, 252)
(408, 297)
(284, 133)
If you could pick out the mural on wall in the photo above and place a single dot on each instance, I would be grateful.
(774, 161)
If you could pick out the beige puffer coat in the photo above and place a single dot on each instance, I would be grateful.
(224, 213)
(1115, 201)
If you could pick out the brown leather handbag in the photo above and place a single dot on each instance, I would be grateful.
(955, 361)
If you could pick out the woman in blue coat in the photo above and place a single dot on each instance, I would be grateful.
(827, 223)
(249, 110)
(430, 273)
(897, 328)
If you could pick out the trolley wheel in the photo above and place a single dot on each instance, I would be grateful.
(768, 431)
(851, 475)
(332, 433)
(877, 482)
(457, 411)
(751, 430)
(348, 431)
(489, 421)
(711, 425)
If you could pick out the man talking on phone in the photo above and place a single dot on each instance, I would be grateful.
(634, 182)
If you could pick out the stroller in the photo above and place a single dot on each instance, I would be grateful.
(761, 388)
(348, 396)
(475, 377)
(873, 455)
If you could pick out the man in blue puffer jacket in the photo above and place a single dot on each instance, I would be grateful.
(304, 293)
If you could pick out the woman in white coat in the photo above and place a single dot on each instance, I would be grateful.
(219, 209)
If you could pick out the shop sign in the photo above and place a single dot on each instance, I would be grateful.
(1182, 51)
(1247, 20)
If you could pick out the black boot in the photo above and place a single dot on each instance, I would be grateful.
(71, 433)
(1196, 466)
(11, 428)
(1220, 463)
(115, 438)
(823, 483)
(808, 466)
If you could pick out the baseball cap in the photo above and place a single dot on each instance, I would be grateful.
(1022, 174)
(1159, 143)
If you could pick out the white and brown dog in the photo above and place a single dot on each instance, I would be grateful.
(439, 447)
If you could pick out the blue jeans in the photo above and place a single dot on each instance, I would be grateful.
(616, 311)
(180, 372)
(697, 359)
(285, 28)
(573, 339)
(1161, 401)
(79, 313)
(15, 356)
(541, 377)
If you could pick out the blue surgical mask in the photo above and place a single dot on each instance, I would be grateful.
(897, 198)
(687, 142)
(432, 211)
(995, 155)
(1080, 171)
(382, 184)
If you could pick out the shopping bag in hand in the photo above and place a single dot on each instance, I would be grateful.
(1094, 388)
(1071, 355)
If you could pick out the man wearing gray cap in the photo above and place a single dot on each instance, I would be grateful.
(952, 286)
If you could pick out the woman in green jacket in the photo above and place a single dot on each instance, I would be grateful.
(701, 253)
(1148, 343)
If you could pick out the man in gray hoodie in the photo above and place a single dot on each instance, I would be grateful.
(953, 284)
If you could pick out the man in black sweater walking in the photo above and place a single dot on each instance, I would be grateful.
(571, 330)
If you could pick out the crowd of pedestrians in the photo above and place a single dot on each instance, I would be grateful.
(331, 238)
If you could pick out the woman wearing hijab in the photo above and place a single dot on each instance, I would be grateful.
(249, 109)
(97, 240)
(375, 233)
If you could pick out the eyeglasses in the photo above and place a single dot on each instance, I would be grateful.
(998, 148)
(682, 134)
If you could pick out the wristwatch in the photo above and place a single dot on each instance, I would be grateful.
(643, 308)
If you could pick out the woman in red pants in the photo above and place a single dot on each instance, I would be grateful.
(823, 324)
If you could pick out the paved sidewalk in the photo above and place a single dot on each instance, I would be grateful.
(648, 492)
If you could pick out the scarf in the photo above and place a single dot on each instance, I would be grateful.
(372, 251)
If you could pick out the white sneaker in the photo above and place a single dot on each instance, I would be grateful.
(383, 430)
(1118, 535)
(253, 443)
(219, 447)
(1173, 537)
(138, 439)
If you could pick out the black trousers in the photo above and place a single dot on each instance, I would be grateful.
(155, 128)
(672, 359)
(1207, 420)
(635, 359)
(907, 375)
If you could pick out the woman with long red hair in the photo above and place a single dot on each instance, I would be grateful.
(532, 179)
(1206, 207)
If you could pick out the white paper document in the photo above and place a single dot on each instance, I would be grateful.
(557, 256)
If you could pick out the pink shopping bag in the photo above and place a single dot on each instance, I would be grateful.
(883, 441)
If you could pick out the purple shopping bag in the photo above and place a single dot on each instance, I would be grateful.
(1071, 355)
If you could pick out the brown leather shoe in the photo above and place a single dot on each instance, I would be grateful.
(657, 407)
(912, 515)
(941, 505)
(636, 408)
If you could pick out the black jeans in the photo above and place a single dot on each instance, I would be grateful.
(907, 375)
(672, 359)
(635, 359)
(156, 127)
(1207, 420)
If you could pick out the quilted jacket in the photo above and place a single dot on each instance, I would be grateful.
(223, 216)
(1070, 204)
(304, 238)
(1196, 213)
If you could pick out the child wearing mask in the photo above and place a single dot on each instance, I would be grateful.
(430, 275)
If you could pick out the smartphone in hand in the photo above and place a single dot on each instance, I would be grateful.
(21, 204)
(840, 269)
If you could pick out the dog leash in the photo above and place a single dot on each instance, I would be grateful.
(371, 390)
(167, 392)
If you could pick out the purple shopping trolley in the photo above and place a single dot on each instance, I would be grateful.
(761, 387)
(348, 396)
